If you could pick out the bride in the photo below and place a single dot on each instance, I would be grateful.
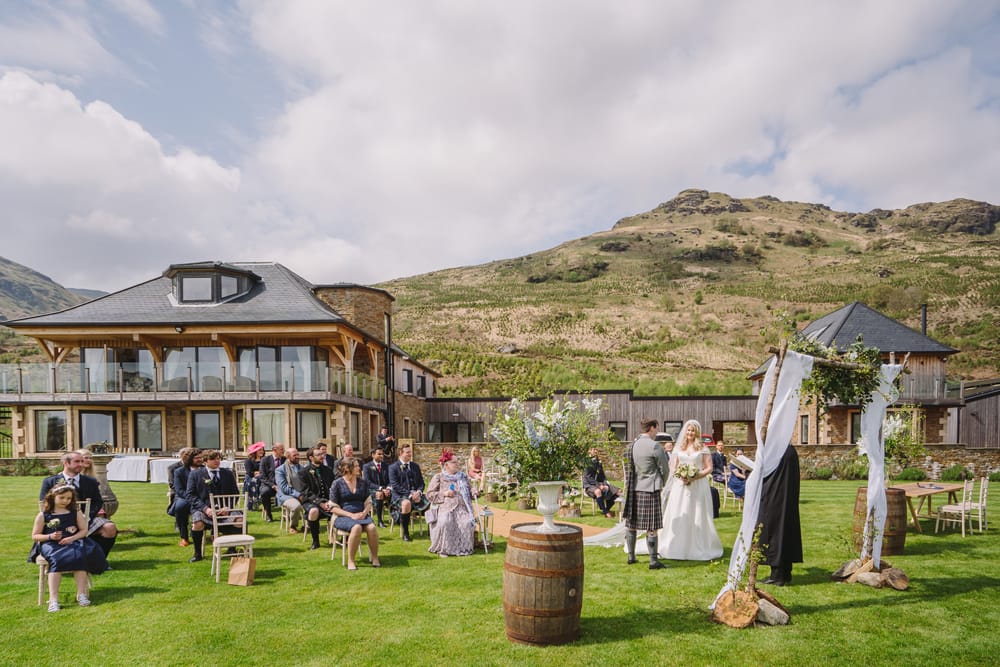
(688, 531)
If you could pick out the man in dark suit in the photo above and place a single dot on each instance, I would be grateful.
(596, 485)
(316, 480)
(376, 473)
(328, 460)
(268, 487)
(719, 463)
(386, 441)
(407, 485)
(202, 483)
(101, 530)
(348, 451)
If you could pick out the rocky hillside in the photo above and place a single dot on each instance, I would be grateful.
(673, 301)
(24, 291)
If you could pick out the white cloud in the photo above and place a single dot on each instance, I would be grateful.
(53, 40)
(142, 13)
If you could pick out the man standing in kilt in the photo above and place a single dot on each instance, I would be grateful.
(646, 471)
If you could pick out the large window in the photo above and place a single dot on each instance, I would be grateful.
(97, 364)
(456, 432)
(138, 372)
(855, 418)
(280, 367)
(407, 381)
(50, 430)
(310, 427)
(206, 430)
(268, 426)
(803, 429)
(148, 430)
(355, 430)
(176, 363)
(421, 385)
(196, 288)
(620, 430)
(98, 427)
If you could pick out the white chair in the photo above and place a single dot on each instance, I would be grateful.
(229, 511)
(43, 565)
(339, 537)
(958, 513)
(416, 519)
(979, 508)
(240, 470)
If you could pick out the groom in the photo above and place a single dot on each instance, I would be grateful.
(646, 471)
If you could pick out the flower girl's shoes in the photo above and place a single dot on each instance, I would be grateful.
(54, 605)
(83, 600)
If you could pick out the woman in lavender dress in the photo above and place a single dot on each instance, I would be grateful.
(453, 532)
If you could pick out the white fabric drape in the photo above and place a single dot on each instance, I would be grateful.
(795, 368)
(872, 441)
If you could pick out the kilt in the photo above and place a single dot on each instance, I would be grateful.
(647, 514)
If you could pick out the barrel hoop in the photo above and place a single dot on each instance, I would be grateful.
(535, 640)
(543, 574)
(541, 613)
(534, 546)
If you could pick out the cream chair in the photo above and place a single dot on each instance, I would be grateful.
(229, 511)
(958, 513)
(43, 565)
(979, 508)
(240, 470)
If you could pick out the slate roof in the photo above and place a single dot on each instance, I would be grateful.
(280, 296)
(843, 326)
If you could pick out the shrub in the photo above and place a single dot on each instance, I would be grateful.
(823, 473)
(911, 475)
(995, 476)
(851, 468)
(956, 473)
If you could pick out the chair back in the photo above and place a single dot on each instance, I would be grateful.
(82, 504)
(984, 486)
(967, 488)
(229, 510)
(240, 470)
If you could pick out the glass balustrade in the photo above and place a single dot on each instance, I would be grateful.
(128, 378)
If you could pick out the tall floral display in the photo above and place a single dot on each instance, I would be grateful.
(549, 445)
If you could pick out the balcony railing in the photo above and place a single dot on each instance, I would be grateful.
(215, 379)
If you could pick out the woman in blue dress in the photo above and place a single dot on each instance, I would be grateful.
(352, 509)
(60, 530)
(737, 477)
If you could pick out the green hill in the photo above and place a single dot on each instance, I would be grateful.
(673, 301)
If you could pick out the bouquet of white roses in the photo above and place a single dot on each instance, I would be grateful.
(686, 471)
(53, 523)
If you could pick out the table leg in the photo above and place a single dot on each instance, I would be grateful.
(913, 513)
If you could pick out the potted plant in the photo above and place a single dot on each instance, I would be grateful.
(544, 448)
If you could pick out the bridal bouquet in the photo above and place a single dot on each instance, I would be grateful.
(53, 523)
(686, 471)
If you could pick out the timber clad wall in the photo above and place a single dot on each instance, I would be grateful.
(363, 307)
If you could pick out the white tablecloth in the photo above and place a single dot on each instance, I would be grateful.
(158, 469)
(128, 469)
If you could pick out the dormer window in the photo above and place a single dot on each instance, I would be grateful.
(207, 283)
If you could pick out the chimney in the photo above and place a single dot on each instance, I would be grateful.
(923, 318)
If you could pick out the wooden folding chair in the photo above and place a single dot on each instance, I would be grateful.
(228, 515)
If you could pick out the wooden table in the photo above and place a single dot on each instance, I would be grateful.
(926, 491)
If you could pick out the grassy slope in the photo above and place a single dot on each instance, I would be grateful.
(686, 290)
(154, 608)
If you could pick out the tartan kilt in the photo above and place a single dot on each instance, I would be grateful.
(647, 514)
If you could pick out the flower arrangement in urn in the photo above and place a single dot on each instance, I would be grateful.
(550, 444)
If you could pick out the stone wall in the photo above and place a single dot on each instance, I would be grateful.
(363, 307)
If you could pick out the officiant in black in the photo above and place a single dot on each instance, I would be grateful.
(781, 532)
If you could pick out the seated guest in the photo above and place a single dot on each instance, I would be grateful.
(348, 454)
(737, 477)
(251, 471)
(328, 460)
(268, 487)
(453, 531)
(100, 529)
(719, 463)
(316, 481)
(596, 485)
(286, 477)
(202, 483)
(352, 505)
(475, 467)
(60, 533)
(376, 473)
(88, 462)
(180, 509)
(407, 485)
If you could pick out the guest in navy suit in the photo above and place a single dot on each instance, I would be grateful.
(100, 529)
(407, 489)
(202, 483)
(376, 473)
(316, 481)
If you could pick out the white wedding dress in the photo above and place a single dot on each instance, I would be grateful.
(688, 531)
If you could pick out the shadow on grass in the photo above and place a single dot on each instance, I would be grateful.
(126, 565)
(921, 591)
(104, 595)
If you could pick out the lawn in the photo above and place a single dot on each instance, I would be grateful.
(155, 608)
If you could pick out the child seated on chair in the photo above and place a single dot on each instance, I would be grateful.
(60, 533)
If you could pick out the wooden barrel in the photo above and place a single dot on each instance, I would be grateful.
(543, 585)
(896, 520)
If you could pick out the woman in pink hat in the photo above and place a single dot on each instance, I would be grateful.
(251, 485)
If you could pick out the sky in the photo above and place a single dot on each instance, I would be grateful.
(365, 141)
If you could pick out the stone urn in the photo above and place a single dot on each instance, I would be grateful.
(101, 474)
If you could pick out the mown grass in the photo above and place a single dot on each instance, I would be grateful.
(154, 608)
